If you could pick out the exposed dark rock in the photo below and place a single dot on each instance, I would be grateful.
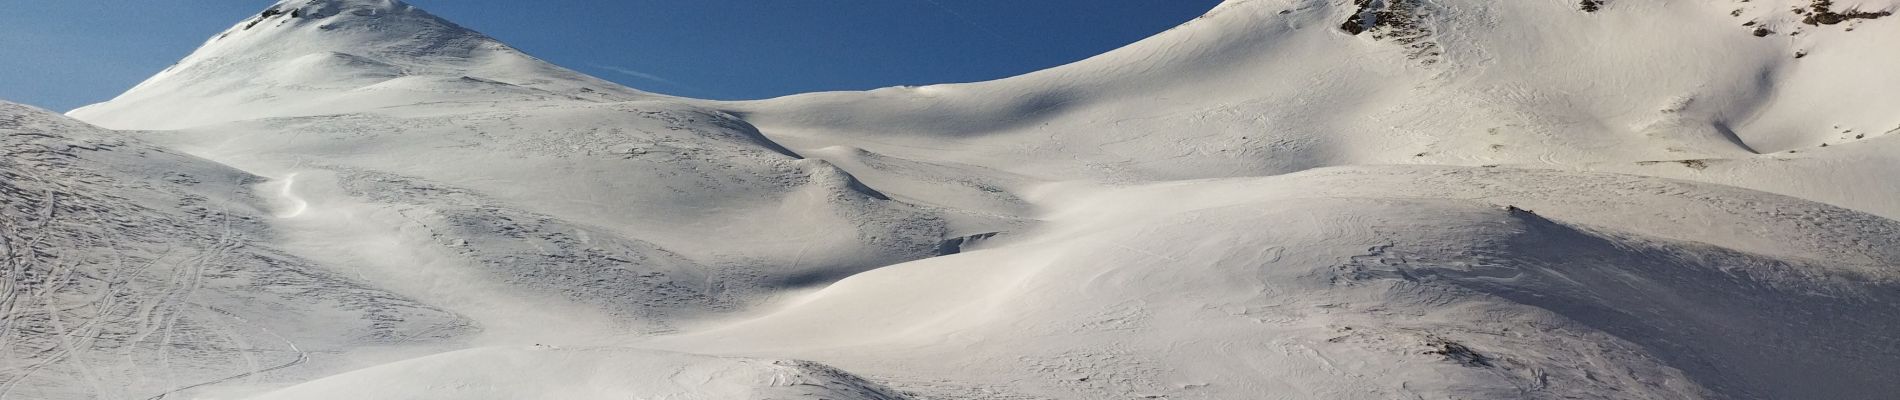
(273, 12)
(1691, 164)
(1397, 15)
(1354, 25)
(959, 245)
(1459, 352)
(1824, 14)
(1592, 5)
(1398, 21)
(263, 16)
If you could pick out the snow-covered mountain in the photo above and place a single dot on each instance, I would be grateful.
(1263, 87)
(300, 58)
(1353, 199)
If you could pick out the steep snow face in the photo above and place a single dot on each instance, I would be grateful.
(313, 57)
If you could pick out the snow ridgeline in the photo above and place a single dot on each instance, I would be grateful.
(1282, 199)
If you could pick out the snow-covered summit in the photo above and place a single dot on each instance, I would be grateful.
(313, 57)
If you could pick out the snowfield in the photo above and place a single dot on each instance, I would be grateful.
(543, 372)
(1283, 199)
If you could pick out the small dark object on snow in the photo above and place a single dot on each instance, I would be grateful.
(1458, 352)
(1592, 5)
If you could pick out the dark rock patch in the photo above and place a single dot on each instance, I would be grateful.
(1824, 14)
(1459, 353)
(959, 245)
(1398, 21)
(270, 13)
(1592, 5)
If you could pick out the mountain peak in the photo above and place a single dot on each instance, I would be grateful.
(317, 57)
(322, 9)
(365, 24)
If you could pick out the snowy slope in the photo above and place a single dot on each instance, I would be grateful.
(1384, 282)
(134, 271)
(1273, 86)
(573, 199)
(543, 372)
(1282, 199)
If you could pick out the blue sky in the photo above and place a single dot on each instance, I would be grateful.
(67, 53)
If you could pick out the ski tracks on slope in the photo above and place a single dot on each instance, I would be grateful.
(302, 357)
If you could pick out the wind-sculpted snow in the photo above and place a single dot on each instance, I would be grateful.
(1282, 199)
(1384, 283)
(653, 179)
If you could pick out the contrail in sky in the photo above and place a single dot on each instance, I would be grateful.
(646, 76)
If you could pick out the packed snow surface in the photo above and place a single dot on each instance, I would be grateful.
(1283, 199)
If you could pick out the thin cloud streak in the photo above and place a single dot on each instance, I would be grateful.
(646, 76)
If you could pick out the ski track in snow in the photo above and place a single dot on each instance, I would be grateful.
(287, 191)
